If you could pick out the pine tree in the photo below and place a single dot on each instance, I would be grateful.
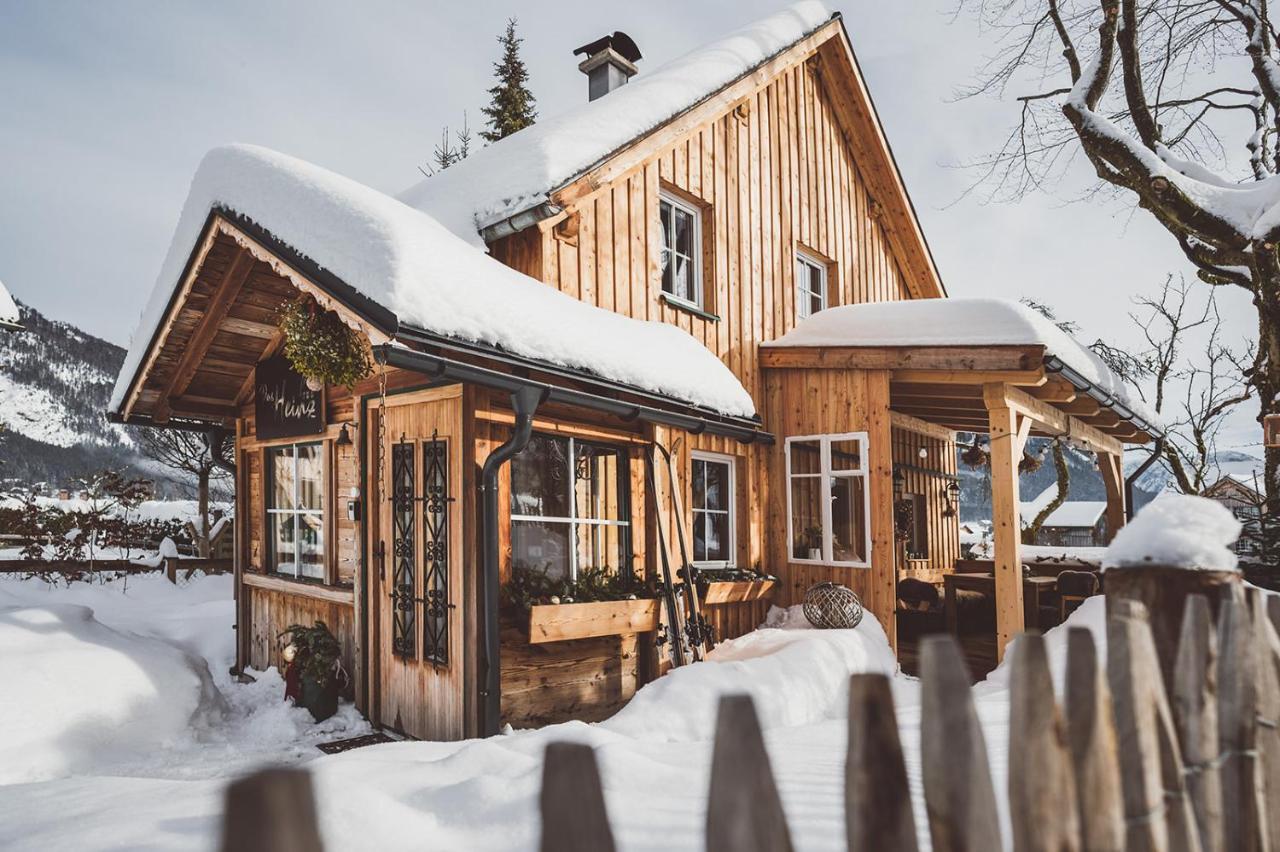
(447, 152)
(512, 104)
(445, 155)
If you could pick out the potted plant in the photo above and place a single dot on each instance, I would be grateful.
(321, 347)
(600, 602)
(314, 676)
(813, 540)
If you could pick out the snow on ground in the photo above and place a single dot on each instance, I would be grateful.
(479, 794)
(113, 688)
(8, 308)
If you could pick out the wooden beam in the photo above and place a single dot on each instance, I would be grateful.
(1055, 391)
(1021, 378)
(1004, 429)
(963, 359)
(1113, 478)
(1085, 406)
(906, 422)
(1051, 419)
(202, 337)
(246, 389)
(202, 409)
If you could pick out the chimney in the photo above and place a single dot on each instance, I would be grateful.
(610, 63)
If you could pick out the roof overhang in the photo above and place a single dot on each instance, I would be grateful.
(950, 386)
(234, 253)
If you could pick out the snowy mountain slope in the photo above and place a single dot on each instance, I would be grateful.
(54, 384)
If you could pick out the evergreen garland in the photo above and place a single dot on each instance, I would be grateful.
(321, 346)
(511, 105)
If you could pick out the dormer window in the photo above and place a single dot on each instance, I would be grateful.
(681, 251)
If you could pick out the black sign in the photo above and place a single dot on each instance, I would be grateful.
(282, 403)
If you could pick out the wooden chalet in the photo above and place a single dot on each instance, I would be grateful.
(627, 300)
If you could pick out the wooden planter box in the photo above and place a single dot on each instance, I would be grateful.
(558, 622)
(737, 591)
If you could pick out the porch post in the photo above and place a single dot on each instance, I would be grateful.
(1006, 434)
(1112, 471)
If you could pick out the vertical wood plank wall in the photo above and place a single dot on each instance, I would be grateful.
(942, 532)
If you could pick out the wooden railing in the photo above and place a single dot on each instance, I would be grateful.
(1128, 762)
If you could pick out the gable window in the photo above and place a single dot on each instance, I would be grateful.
(295, 510)
(681, 250)
(569, 508)
(828, 516)
(714, 498)
(811, 286)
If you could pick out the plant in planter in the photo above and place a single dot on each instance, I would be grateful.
(530, 587)
(321, 347)
(314, 676)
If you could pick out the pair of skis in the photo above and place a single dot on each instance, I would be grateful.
(687, 633)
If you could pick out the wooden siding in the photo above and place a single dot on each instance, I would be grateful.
(942, 532)
(823, 402)
(271, 612)
(772, 175)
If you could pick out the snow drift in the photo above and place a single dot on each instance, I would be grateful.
(79, 694)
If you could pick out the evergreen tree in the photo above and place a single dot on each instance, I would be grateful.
(511, 107)
(450, 150)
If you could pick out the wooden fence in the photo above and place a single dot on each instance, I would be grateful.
(172, 567)
(1128, 762)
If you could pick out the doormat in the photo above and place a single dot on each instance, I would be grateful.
(354, 742)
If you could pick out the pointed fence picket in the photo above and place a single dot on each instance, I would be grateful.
(1125, 762)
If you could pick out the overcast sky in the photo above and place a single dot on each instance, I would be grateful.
(107, 108)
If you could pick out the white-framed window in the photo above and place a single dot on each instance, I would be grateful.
(811, 285)
(714, 487)
(828, 505)
(295, 510)
(681, 250)
(570, 507)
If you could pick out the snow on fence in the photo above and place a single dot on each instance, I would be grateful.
(1128, 762)
(171, 565)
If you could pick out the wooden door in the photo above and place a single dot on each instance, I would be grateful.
(417, 579)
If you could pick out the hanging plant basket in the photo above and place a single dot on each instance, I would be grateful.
(321, 347)
(975, 456)
(1029, 463)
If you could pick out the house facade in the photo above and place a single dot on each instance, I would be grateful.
(695, 259)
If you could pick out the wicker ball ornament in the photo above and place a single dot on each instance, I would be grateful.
(831, 606)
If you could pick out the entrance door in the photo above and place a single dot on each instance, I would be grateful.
(417, 579)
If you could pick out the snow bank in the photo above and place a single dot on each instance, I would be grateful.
(1180, 531)
(959, 322)
(409, 263)
(520, 172)
(796, 675)
(79, 694)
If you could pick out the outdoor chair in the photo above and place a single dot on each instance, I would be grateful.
(919, 609)
(1073, 588)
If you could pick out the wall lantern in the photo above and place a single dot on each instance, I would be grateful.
(953, 498)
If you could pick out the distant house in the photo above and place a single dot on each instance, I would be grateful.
(1239, 493)
(1076, 523)
(9, 317)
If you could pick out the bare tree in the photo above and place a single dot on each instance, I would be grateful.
(188, 453)
(1150, 91)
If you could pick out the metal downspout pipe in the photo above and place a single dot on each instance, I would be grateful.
(1156, 450)
(524, 402)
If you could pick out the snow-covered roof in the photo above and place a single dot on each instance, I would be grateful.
(407, 262)
(8, 308)
(519, 172)
(960, 322)
(1073, 513)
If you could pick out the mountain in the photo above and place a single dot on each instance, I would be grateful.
(55, 381)
(1085, 484)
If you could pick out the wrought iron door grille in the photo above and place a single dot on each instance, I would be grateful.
(404, 562)
(435, 551)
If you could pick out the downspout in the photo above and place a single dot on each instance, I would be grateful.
(525, 402)
(216, 440)
(1156, 450)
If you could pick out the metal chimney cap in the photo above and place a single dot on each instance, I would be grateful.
(619, 42)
